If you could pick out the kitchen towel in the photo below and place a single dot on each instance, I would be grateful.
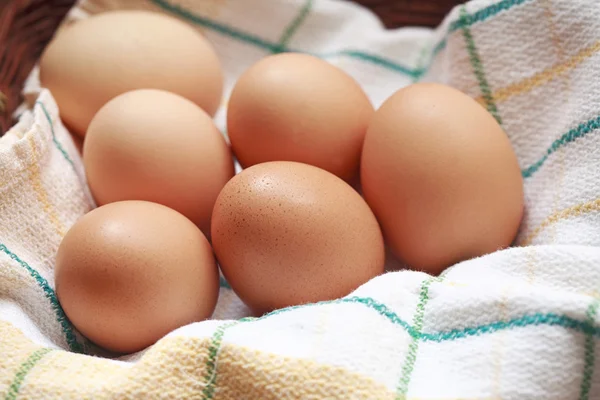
(521, 323)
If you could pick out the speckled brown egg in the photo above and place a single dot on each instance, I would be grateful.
(441, 176)
(296, 107)
(130, 272)
(287, 233)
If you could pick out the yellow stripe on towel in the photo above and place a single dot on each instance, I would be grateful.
(574, 211)
(36, 181)
(528, 84)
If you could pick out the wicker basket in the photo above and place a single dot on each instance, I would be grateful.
(27, 25)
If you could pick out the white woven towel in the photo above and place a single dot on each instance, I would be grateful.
(518, 324)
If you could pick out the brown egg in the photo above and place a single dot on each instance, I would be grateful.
(157, 146)
(441, 176)
(130, 272)
(98, 58)
(296, 107)
(78, 142)
(287, 233)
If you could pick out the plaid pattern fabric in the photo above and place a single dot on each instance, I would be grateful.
(518, 324)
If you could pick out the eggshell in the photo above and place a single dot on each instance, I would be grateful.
(287, 233)
(100, 57)
(441, 176)
(130, 272)
(157, 146)
(296, 107)
(78, 142)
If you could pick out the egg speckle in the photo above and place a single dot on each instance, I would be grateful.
(287, 233)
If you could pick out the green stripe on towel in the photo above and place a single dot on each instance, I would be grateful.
(485, 14)
(478, 70)
(413, 347)
(51, 296)
(588, 369)
(414, 73)
(32, 360)
(223, 283)
(535, 319)
(211, 361)
(478, 16)
(571, 136)
(56, 142)
(296, 23)
(587, 327)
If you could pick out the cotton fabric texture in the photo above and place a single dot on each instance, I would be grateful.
(520, 323)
